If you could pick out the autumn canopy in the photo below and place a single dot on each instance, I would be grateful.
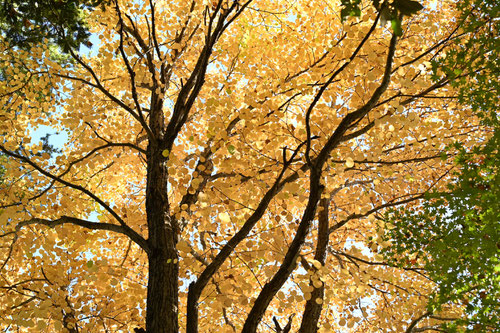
(226, 165)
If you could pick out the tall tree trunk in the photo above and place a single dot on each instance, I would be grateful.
(312, 311)
(162, 295)
(162, 304)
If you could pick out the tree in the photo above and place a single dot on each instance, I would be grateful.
(454, 236)
(24, 23)
(225, 163)
(454, 233)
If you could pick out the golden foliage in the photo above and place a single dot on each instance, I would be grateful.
(264, 72)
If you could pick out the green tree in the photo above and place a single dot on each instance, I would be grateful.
(25, 23)
(454, 235)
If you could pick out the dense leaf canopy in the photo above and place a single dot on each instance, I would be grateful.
(227, 164)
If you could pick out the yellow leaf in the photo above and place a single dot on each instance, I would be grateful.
(224, 217)
(316, 264)
(349, 162)
(317, 284)
(183, 246)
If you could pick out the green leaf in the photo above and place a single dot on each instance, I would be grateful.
(344, 13)
(231, 149)
(350, 8)
(90, 263)
(396, 27)
(407, 7)
(356, 11)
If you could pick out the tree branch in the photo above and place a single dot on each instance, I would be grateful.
(315, 190)
(196, 287)
(312, 311)
(127, 230)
